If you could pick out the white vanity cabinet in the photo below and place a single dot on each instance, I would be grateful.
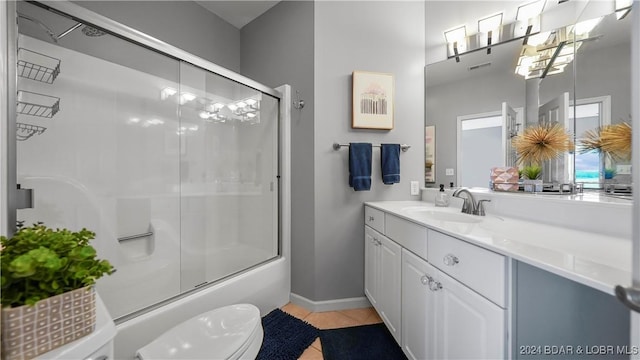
(418, 308)
(382, 278)
(444, 319)
(451, 295)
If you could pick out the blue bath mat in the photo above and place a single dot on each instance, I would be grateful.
(285, 337)
(365, 342)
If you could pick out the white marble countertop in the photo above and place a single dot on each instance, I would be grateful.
(596, 260)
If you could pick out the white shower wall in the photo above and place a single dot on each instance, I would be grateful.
(112, 160)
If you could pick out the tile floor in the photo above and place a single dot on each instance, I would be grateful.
(330, 320)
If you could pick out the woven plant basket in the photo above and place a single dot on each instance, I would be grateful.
(28, 331)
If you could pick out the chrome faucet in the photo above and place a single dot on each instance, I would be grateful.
(470, 206)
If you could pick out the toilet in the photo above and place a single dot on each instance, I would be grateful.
(231, 332)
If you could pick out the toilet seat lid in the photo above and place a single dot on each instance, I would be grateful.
(217, 334)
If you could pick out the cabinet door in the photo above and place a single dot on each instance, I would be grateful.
(418, 315)
(468, 325)
(389, 291)
(371, 259)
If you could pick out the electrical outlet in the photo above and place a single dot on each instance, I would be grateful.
(415, 188)
(449, 172)
(623, 169)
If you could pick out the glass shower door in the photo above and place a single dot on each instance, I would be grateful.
(173, 167)
(228, 169)
(98, 145)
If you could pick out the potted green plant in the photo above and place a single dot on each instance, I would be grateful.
(531, 172)
(531, 178)
(47, 294)
(610, 173)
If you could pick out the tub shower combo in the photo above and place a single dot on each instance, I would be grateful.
(177, 164)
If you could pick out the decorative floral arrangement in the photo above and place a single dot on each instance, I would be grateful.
(542, 142)
(612, 140)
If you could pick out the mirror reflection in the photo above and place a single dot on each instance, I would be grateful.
(480, 104)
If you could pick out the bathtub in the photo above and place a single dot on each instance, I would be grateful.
(266, 286)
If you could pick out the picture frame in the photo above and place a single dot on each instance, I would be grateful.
(373, 100)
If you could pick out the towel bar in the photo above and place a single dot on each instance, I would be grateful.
(403, 147)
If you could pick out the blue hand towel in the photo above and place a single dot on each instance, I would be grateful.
(390, 155)
(360, 166)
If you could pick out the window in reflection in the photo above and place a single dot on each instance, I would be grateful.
(590, 114)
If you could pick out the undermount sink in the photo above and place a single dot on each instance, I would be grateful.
(432, 214)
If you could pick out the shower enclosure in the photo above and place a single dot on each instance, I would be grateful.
(172, 161)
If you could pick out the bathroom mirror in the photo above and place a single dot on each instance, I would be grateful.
(461, 96)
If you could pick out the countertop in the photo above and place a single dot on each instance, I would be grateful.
(595, 260)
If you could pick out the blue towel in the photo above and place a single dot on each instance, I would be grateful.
(390, 156)
(360, 166)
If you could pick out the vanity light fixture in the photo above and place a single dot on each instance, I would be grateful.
(527, 15)
(530, 10)
(623, 7)
(456, 40)
(549, 53)
(489, 30)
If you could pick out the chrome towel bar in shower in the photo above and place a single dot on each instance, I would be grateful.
(133, 237)
(403, 147)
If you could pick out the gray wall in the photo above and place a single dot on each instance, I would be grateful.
(277, 48)
(378, 36)
(183, 24)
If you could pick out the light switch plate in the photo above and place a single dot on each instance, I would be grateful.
(449, 172)
(415, 188)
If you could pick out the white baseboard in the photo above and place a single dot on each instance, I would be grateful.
(330, 305)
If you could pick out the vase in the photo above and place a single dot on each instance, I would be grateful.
(31, 330)
(532, 185)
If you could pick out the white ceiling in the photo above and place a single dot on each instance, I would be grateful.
(237, 13)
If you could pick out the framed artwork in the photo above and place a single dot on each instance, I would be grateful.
(372, 100)
(429, 154)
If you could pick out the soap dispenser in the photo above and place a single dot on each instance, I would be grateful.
(442, 198)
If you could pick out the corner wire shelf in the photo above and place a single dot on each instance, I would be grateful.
(36, 66)
(36, 104)
(25, 131)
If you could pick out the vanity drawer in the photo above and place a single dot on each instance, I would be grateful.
(482, 270)
(374, 218)
(411, 236)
